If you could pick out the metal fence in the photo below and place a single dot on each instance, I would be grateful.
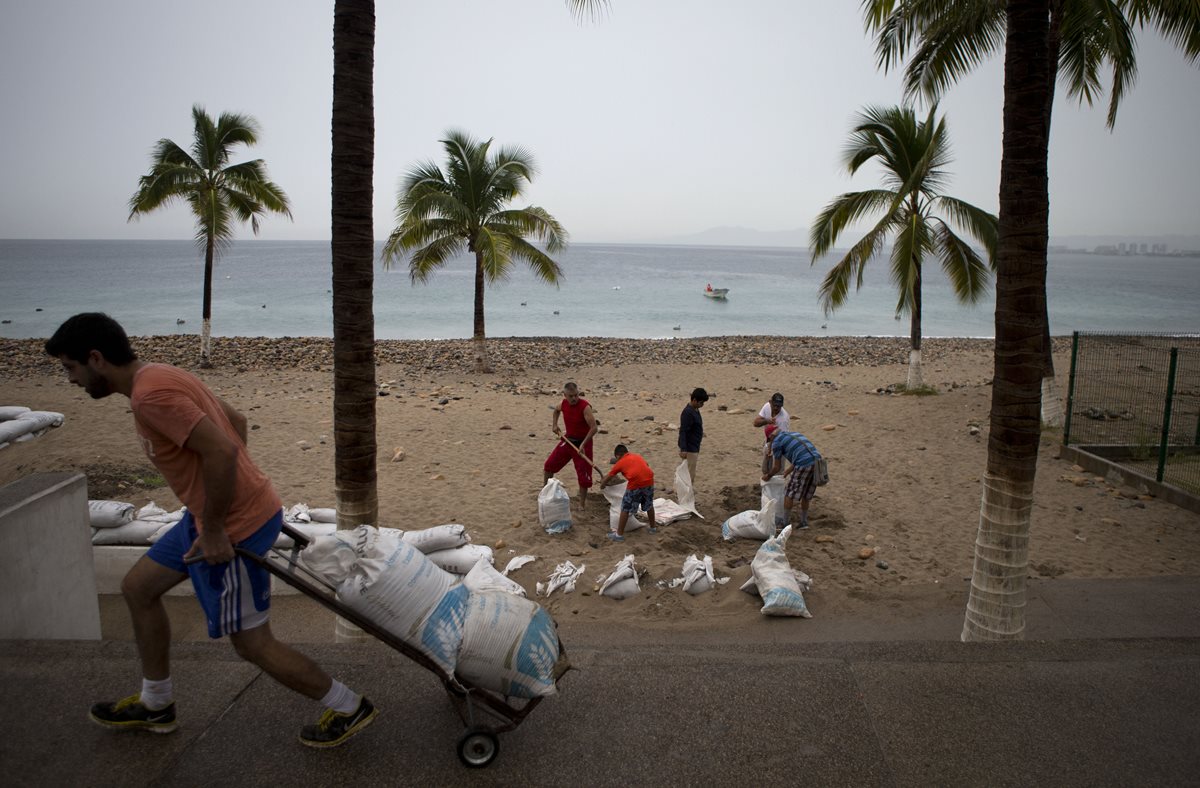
(1134, 399)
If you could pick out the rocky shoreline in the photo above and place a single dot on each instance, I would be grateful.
(24, 358)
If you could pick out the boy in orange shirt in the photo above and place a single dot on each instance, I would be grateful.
(639, 493)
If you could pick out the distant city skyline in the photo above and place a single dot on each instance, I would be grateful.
(659, 120)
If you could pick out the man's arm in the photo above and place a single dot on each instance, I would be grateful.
(590, 418)
(554, 419)
(235, 418)
(218, 465)
(774, 469)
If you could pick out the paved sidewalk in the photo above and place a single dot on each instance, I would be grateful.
(1105, 692)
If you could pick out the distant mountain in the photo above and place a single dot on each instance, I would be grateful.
(739, 236)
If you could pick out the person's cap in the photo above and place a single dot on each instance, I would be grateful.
(770, 430)
(700, 395)
(777, 398)
(620, 451)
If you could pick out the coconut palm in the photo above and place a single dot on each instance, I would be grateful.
(220, 194)
(353, 257)
(441, 214)
(944, 40)
(913, 155)
(1042, 39)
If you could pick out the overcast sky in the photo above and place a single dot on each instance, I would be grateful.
(664, 118)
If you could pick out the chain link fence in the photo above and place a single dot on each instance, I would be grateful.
(1134, 399)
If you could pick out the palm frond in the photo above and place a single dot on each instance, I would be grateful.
(1178, 21)
(982, 226)
(836, 286)
(952, 44)
(968, 273)
(912, 243)
(540, 263)
(536, 222)
(844, 211)
(427, 259)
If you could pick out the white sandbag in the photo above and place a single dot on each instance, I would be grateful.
(137, 532)
(565, 576)
(622, 582)
(554, 507)
(509, 646)
(750, 524)
(409, 596)
(667, 511)
(698, 574)
(311, 530)
(802, 580)
(15, 429)
(323, 515)
(777, 584)
(459, 560)
(154, 513)
(773, 490)
(518, 561)
(617, 492)
(11, 411)
(297, 514)
(685, 494)
(485, 577)
(439, 537)
(109, 514)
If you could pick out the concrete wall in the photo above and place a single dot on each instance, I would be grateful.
(47, 579)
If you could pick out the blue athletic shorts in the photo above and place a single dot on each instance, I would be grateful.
(642, 496)
(236, 595)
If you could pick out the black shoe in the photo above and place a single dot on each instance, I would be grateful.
(334, 728)
(129, 713)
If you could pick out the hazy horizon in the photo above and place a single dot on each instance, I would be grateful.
(657, 121)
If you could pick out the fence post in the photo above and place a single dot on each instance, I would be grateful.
(1071, 389)
(1166, 428)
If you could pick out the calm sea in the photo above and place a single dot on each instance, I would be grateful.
(282, 288)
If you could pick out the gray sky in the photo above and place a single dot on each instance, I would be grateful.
(664, 118)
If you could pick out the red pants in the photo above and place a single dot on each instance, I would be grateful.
(563, 454)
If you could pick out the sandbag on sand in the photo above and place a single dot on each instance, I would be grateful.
(622, 582)
(27, 425)
(684, 492)
(485, 577)
(776, 583)
(439, 537)
(459, 560)
(750, 524)
(136, 532)
(11, 411)
(565, 576)
(554, 507)
(613, 494)
(698, 575)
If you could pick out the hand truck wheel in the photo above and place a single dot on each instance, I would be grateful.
(477, 748)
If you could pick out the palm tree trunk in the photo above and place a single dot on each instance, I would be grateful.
(353, 252)
(1052, 412)
(206, 306)
(478, 338)
(996, 605)
(914, 355)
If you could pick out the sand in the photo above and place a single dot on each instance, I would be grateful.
(905, 471)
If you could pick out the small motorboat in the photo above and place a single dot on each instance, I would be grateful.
(715, 292)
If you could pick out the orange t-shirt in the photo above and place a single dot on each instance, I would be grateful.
(635, 470)
(167, 405)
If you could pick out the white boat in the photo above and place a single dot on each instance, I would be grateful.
(716, 292)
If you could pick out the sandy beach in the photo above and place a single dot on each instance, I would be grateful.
(905, 471)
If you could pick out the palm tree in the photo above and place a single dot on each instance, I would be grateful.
(1072, 37)
(913, 154)
(945, 39)
(438, 215)
(220, 194)
(353, 257)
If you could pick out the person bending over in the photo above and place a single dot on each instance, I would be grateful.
(640, 492)
(802, 484)
(576, 445)
(197, 441)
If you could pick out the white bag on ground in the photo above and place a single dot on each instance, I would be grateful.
(565, 575)
(310, 530)
(750, 524)
(622, 582)
(667, 511)
(554, 507)
(485, 577)
(408, 595)
(698, 575)
(332, 554)
(12, 411)
(459, 560)
(518, 561)
(323, 515)
(614, 493)
(109, 514)
(137, 532)
(802, 580)
(509, 645)
(777, 584)
(439, 537)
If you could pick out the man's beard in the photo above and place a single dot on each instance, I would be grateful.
(97, 386)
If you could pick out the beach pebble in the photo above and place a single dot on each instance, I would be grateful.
(505, 427)
(398, 455)
(1109, 521)
(973, 430)
(304, 445)
(500, 544)
(823, 539)
(869, 538)
(829, 427)
(437, 477)
(881, 564)
(851, 413)
(517, 524)
(866, 553)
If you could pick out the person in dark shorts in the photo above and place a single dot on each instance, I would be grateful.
(802, 485)
(197, 441)
(579, 425)
(640, 492)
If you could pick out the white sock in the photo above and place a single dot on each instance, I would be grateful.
(156, 694)
(340, 698)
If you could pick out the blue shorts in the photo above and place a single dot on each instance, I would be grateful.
(235, 595)
(642, 496)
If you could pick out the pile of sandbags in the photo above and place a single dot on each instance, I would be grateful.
(117, 523)
(476, 627)
(773, 578)
(18, 423)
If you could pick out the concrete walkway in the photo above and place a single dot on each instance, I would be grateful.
(1105, 692)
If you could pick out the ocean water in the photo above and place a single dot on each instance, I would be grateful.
(282, 288)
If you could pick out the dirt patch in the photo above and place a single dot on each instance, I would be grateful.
(121, 482)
